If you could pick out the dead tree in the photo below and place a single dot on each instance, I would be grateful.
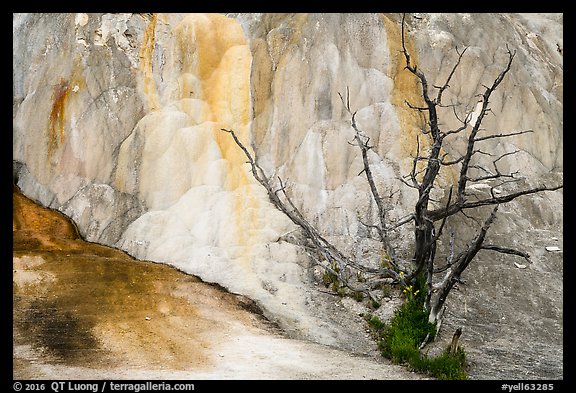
(324, 254)
(428, 221)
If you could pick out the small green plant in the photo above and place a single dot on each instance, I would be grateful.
(406, 331)
(399, 340)
(386, 290)
(448, 365)
(329, 278)
(374, 322)
(357, 295)
(385, 260)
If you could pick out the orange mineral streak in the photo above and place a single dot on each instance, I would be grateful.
(146, 51)
(215, 62)
(91, 307)
(56, 120)
(213, 48)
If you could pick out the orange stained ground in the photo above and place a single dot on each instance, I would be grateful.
(82, 304)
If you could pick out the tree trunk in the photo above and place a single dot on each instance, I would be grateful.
(455, 338)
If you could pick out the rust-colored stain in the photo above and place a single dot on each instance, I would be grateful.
(57, 120)
(39, 227)
(77, 303)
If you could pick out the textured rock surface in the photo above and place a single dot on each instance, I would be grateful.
(117, 119)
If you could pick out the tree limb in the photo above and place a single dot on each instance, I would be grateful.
(439, 214)
(362, 142)
(462, 262)
(479, 139)
(438, 99)
(505, 250)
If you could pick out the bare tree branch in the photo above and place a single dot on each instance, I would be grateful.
(506, 250)
(457, 130)
(353, 274)
(438, 99)
(323, 248)
(416, 108)
(439, 214)
(415, 164)
(362, 142)
(472, 138)
(479, 139)
(402, 221)
(462, 262)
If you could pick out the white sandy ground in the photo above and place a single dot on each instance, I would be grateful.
(217, 341)
(245, 357)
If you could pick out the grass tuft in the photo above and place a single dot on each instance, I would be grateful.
(399, 340)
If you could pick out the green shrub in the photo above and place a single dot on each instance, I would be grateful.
(399, 340)
(447, 365)
(406, 331)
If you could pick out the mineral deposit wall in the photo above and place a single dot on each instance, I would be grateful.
(117, 123)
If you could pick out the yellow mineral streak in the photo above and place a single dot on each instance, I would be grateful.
(215, 68)
(215, 64)
(228, 97)
(407, 88)
(146, 51)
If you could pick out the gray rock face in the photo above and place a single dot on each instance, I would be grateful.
(117, 122)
